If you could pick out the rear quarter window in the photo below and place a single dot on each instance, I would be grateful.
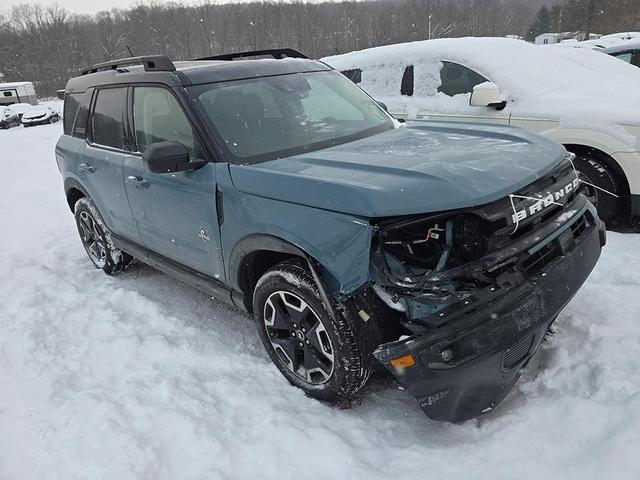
(355, 75)
(80, 124)
(71, 105)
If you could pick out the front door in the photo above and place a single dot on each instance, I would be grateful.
(447, 97)
(175, 212)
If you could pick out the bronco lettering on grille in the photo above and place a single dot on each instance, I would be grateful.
(546, 201)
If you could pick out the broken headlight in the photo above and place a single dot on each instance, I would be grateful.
(414, 251)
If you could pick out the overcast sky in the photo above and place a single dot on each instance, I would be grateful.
(92, 6)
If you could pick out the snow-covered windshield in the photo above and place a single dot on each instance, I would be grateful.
(273, 117)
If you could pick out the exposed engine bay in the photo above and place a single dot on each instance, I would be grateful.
(474, 291)
(426, 263)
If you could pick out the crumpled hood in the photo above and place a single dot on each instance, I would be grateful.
(418, 168)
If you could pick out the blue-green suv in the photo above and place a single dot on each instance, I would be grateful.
(441, 251)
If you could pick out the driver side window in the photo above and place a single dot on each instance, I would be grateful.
(158, 117)
(456, 79)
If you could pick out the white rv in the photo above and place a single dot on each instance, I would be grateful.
(17, 92)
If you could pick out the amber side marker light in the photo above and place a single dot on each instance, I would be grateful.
(404, 362)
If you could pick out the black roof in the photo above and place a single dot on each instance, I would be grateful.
(192, 72)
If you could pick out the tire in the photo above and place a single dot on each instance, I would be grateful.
(314, 351)
(96, 239)
(593, 169)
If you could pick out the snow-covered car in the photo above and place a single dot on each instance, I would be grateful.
(8, 118)
(623, 46)
(21, 108)
(39, 115)
(583, 99)
(628, 52)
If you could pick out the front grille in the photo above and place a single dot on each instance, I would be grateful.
(498, 215)
(536, 262)
(541, 258)
(580, 226)
(517, 353)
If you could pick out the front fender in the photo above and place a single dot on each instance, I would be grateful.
(340, 243)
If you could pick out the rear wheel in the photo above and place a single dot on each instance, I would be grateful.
(316, 352)
(594, 170)
(96, 239)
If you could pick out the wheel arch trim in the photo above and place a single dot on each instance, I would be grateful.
(251, 244)
(70, 184)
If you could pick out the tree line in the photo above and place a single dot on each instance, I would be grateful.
(48, 45)
(588, 16)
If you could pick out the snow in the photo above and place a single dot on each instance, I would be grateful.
(577, 87)
(608, 41)
(138, 376)
(14, 84)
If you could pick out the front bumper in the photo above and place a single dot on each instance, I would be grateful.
(33, 123)
(468, 366)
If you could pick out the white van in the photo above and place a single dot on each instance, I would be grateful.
(17, 92)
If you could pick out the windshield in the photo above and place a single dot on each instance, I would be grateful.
(273, 117)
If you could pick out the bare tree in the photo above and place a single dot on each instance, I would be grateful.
(49, 45)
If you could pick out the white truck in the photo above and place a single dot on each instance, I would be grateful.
(17, 92)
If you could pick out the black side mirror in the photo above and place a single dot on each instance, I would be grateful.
(169, 157)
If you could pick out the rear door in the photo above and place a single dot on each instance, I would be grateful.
(100, 158)
(175, 212)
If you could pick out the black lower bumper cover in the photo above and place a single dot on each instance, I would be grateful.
(483, 363)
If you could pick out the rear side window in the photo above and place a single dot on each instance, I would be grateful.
(457, 79)
(71, 105)
(106, 121)
(406, 87)
(354, 75)
(624, 56)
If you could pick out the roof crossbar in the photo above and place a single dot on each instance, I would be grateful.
(151, 63)
(277, 53)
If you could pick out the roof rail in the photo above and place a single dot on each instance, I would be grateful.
(152, 63)
(277, 53)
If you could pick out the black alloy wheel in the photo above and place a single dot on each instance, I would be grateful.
(299, 337)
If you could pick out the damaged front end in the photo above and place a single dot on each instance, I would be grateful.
(479, 288)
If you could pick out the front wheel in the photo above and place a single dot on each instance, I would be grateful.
(96, 239)
(316, 352)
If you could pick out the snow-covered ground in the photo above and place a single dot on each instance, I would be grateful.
(138, 376)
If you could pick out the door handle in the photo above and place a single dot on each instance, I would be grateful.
(137, 181)
(85, 167)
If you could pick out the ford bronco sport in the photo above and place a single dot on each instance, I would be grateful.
(441, 251)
